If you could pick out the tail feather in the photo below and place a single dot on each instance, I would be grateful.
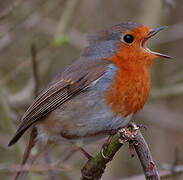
(32, 140)
(18, 135)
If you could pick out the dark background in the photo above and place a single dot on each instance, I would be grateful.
(58, 30)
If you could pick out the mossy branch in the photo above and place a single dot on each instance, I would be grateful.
(95, 167)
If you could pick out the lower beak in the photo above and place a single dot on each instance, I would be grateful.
(151, 34)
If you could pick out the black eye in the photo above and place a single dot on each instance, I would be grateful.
(128, 38)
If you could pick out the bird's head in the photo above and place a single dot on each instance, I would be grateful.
(130, 41)
(133, 50)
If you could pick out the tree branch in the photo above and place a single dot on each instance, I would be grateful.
(35, 69)
(36, 168)
(164, 174)
(95, 167)
(53, 172)
(145, 158)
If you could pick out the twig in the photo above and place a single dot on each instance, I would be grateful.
(145, 158)
(53, 173)
(35, 69)
(164, 174)
(24, 97)
(30, 168)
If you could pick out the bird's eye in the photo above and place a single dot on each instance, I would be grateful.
(128, 38)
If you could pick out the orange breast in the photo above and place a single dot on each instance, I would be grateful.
(131, 86)
(128, 93)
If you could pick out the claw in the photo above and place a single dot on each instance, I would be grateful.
(128, 133)
(105, 145)
(134, 126)
(102, 153)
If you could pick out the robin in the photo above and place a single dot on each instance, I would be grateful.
(96, 94)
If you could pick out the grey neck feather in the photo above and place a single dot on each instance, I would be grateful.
(102, 49)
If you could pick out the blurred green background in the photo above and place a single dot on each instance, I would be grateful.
(58, 30)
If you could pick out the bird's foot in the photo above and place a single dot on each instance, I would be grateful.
(125, 134)
(128, 134)
(105, 145)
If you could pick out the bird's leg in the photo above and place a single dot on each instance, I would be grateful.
(87, 155)
(128, 133)
(111, 134)
(105, 145)
(27, 152)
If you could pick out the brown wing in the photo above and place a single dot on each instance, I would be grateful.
(75, 78)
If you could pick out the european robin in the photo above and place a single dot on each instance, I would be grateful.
(96, 94)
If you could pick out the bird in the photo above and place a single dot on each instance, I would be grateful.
(98, 93)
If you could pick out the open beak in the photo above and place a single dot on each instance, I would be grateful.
(151, 34)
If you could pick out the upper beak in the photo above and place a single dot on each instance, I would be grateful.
(151, 34)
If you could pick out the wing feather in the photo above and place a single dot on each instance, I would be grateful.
(60, 90)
